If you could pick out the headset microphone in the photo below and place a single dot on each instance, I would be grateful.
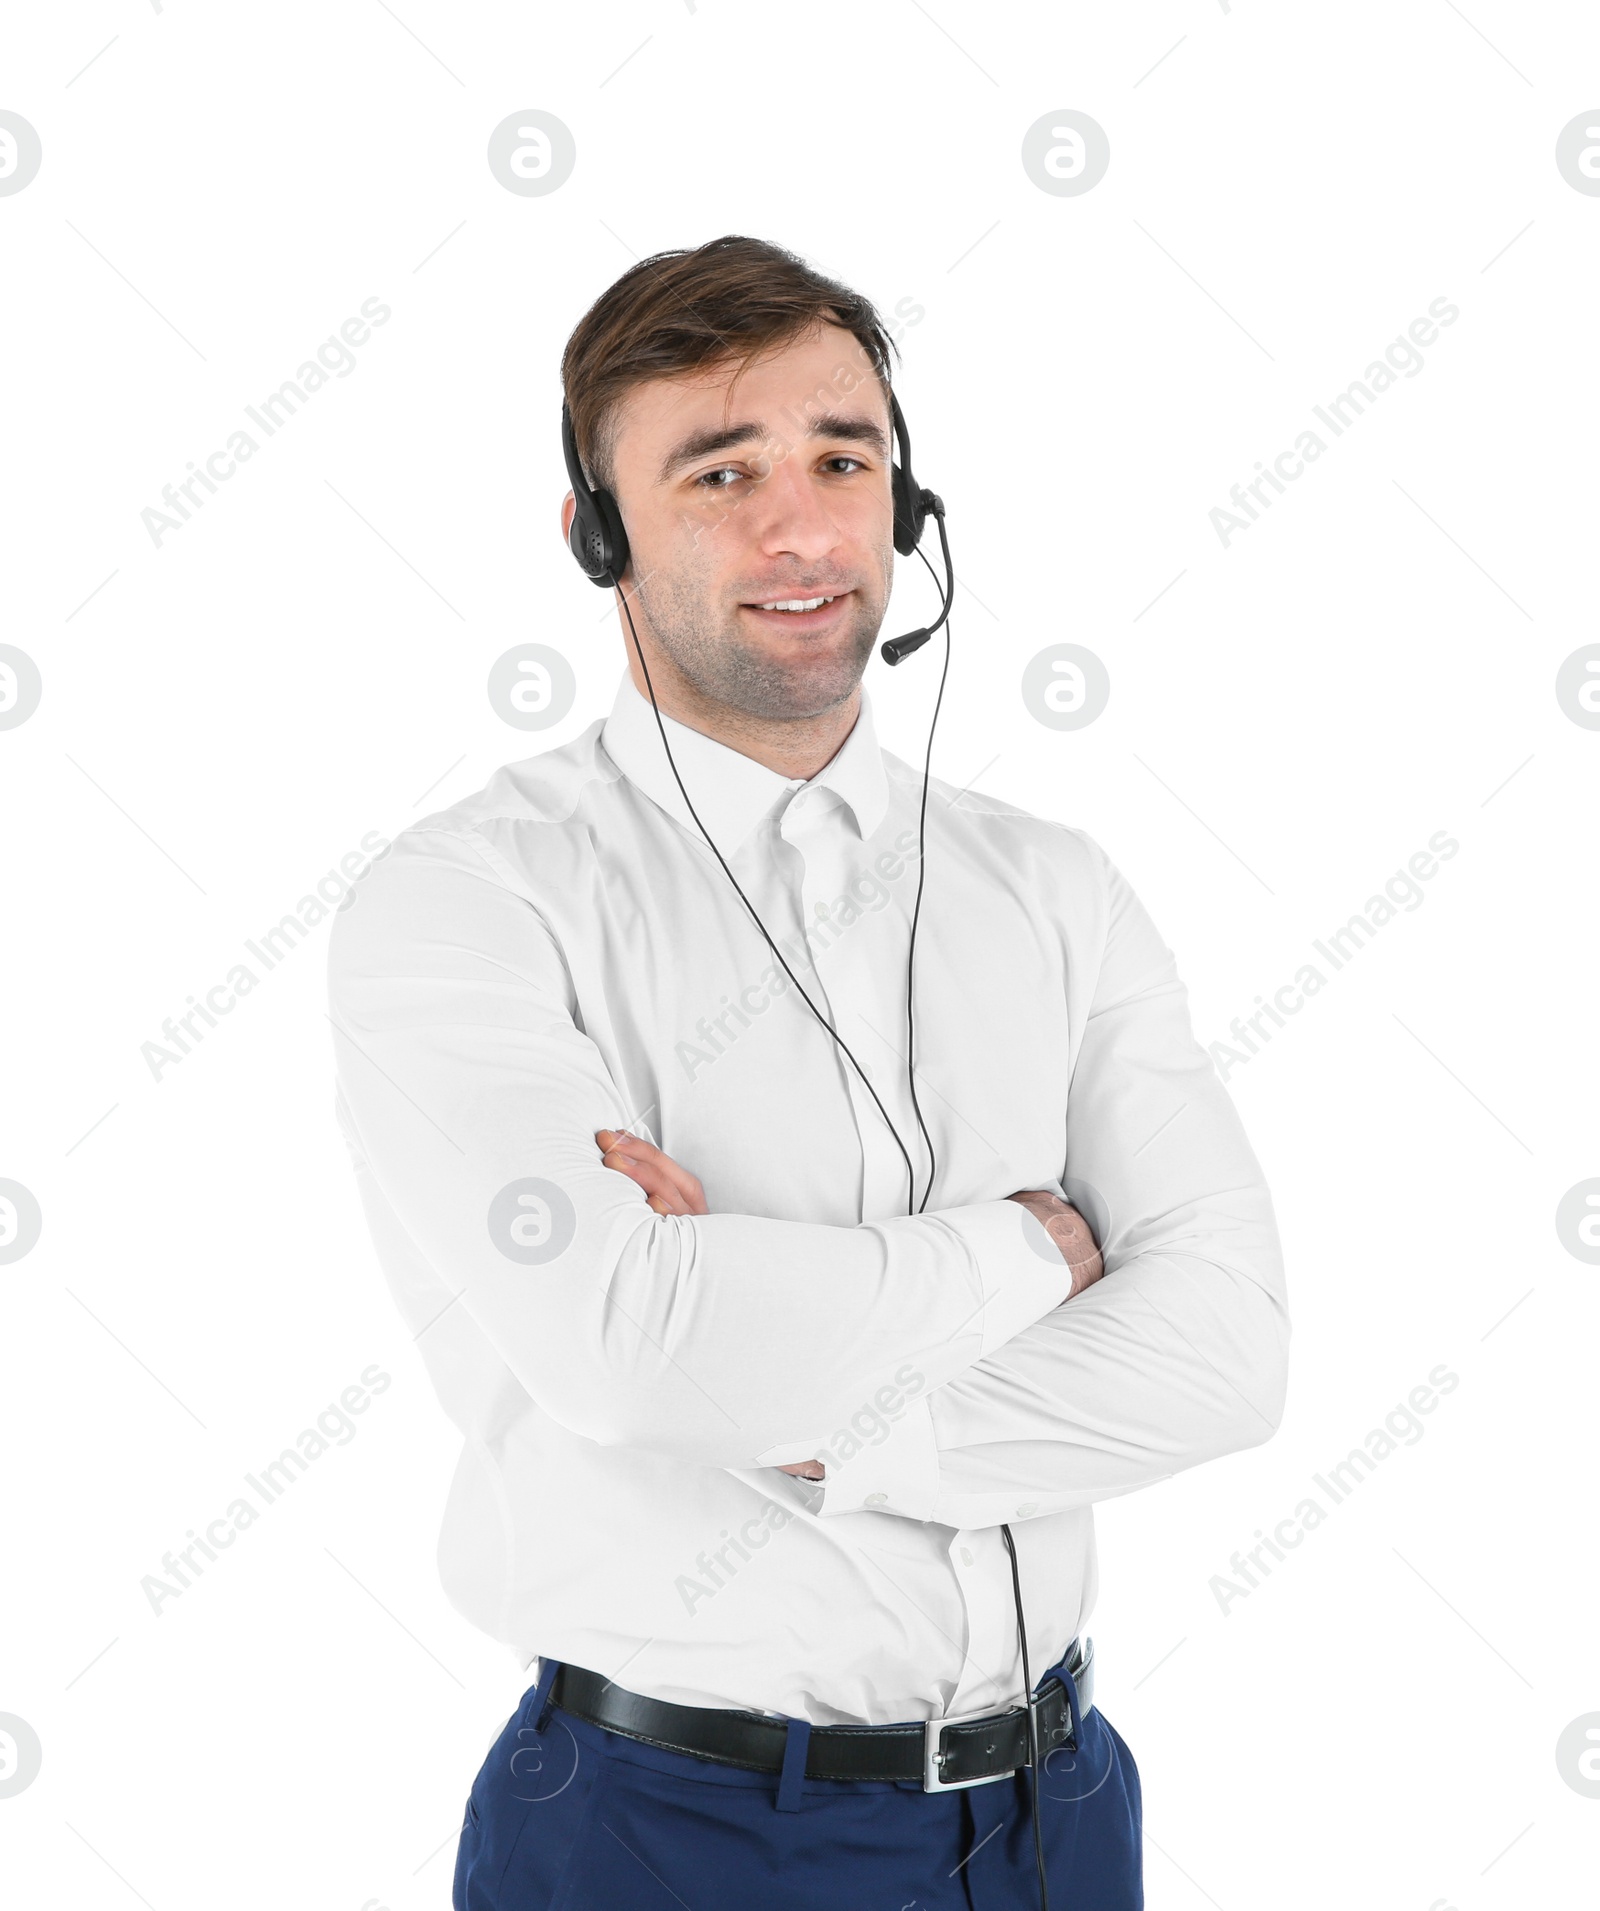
(599, 542)
(898, 647)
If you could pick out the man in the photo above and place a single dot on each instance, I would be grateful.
(782, 1423)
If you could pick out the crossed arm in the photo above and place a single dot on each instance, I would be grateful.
(672, 1189)
(1046, 1379)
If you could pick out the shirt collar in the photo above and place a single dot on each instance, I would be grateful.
(731, 791)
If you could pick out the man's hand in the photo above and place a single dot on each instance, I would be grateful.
(1070, 1232)
(671, 1190)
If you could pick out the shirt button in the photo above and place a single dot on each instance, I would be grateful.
(966, 1555)
(876, 1499)
(1027, 1512)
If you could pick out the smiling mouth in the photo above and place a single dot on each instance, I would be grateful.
(800, 613)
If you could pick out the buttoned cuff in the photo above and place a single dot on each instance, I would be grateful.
(1023, 1274)
(900, 1474)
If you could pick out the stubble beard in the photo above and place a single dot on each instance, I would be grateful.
(710, 650)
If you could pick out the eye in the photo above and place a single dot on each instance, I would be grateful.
(708, 480)
(844, 457)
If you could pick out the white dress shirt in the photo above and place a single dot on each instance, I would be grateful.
(561, 953)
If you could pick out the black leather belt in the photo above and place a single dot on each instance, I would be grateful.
(940, 1754)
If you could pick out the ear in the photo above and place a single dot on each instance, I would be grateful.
(569, 510)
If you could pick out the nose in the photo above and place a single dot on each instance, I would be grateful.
(793, 516)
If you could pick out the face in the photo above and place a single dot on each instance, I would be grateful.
(743, 491)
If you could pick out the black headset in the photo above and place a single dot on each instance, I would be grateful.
(599, 542)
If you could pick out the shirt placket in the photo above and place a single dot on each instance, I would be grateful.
(858, 969)
(983, 1572)
(858, 975)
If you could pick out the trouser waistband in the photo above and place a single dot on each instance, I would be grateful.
(941, 1754)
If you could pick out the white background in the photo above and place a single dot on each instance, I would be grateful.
(1292, 716)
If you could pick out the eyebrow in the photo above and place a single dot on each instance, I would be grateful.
(853, 427)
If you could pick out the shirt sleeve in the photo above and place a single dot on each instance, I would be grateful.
(470, 1097)
(1179, 1353)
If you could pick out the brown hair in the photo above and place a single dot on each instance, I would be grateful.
(682, 311)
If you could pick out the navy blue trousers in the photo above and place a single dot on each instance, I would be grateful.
(571, 1817)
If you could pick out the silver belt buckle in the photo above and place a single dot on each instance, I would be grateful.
(932, 1756)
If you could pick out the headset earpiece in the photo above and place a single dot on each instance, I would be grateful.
(911, 503)
(597, 538)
